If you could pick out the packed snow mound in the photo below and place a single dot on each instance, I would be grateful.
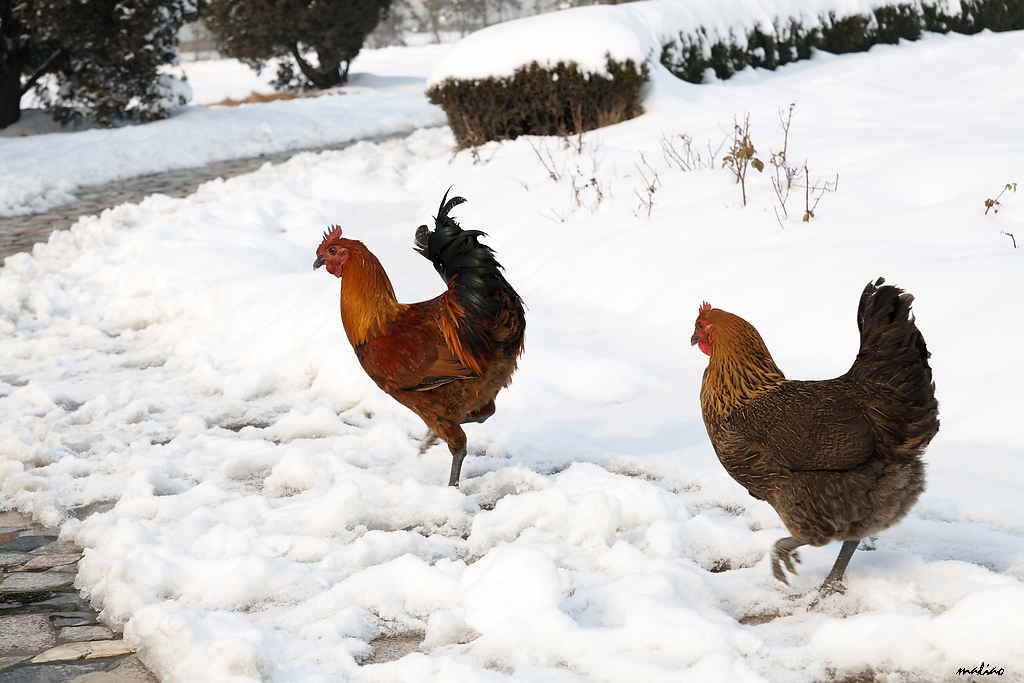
(636, 30)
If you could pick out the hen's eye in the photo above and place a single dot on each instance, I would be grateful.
(700, 325)
(333, 251)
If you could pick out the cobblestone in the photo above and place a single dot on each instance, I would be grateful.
(29, 542)
(39, 562)
(48, 634)
(392, 648)
(78, 634)
(8, 559)
(36, 582)
(25, 633)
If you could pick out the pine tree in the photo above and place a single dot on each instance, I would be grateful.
(98, 59)
(256, 31)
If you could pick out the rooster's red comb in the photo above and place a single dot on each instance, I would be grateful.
(704, 307)
(332, 234)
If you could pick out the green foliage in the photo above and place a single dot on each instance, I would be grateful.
(104, 56)
(691, 55)
(561, 100)
(897, 22)
(978, 15)
(256, 31)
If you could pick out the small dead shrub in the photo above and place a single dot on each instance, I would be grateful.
(994, 204)
(742, 154)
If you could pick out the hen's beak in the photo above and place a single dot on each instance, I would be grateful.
(319, 262)
(693, 340)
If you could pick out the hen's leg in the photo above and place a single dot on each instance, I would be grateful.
(457, 459)
(834, 579)
(785, 553)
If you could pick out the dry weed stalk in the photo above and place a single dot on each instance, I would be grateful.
(742, 154)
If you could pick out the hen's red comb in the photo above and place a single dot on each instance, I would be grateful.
(704, 307)
(333, 234)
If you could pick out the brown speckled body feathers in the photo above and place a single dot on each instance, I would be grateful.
(838, 459)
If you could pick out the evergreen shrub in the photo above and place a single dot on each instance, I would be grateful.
(690, 55)
(560, 100)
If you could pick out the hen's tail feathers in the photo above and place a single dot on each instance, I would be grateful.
(490, 310)
(893, 354)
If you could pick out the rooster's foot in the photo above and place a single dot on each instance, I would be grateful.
(457, 459)
(785, 554)
(428, 442)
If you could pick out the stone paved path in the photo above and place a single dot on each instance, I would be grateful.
(48, 634)
(19, 233)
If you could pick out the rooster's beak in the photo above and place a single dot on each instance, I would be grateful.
(693, 339)
(319, 262)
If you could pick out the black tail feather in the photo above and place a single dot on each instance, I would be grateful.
(471, 272)
(887, 327)
(893, 352)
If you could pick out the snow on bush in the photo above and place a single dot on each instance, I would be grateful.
(637, 31)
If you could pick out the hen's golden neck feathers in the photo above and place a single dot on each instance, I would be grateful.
(740, 366)
(367, 298)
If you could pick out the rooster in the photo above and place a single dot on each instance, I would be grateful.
(447, 358)
(838, 459)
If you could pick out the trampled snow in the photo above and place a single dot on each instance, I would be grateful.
(261, 511)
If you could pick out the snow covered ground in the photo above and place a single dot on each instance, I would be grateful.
(265, 512)
(385, 96)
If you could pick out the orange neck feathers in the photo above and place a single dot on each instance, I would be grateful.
(367, 298)
(740, 368)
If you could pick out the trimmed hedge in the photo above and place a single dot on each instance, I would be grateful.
(690, 56)
(561, 100)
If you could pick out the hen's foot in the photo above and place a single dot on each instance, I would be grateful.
(785, 554)
(829, 587)
(834, 581)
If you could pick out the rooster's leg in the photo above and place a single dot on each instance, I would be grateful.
(457, 459)
(453, 435)
(785, 553)
(834, 579)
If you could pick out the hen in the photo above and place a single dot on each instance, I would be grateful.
(838, 459)
(447, 358)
